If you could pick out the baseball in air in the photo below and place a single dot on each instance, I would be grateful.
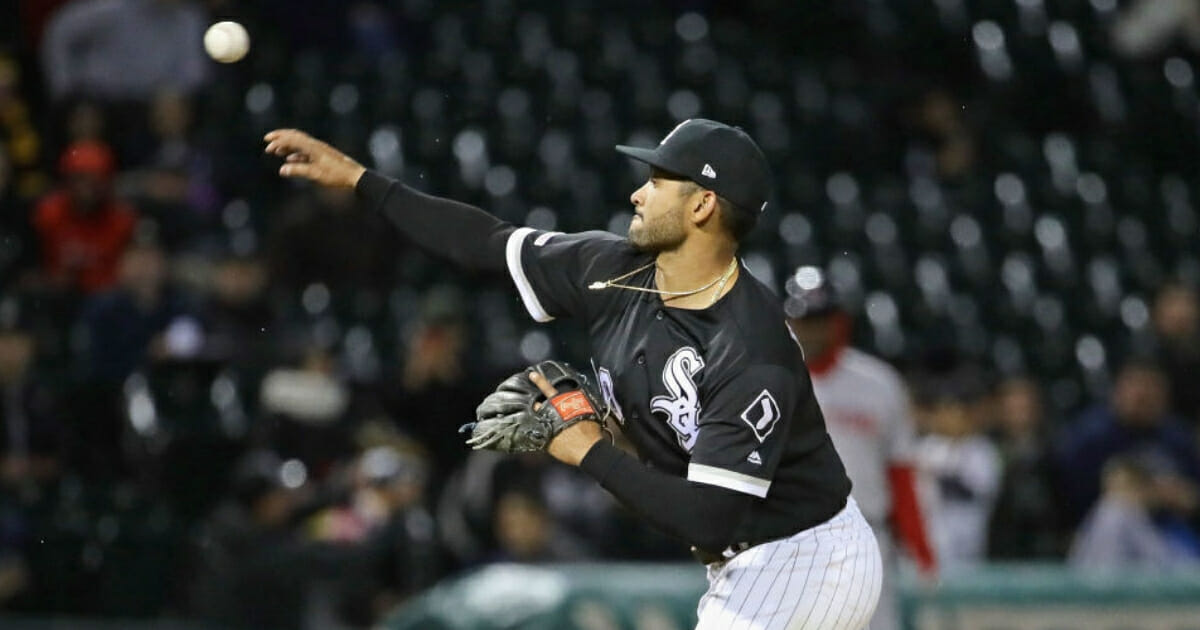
(226, 42)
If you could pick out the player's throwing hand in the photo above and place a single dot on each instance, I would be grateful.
(308, 158)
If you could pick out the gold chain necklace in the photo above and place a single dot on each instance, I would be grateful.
(612, 282)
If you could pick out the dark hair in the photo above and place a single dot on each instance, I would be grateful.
(734, 220)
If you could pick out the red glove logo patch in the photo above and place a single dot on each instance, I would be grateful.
(571, 405)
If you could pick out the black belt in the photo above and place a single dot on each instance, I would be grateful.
(727, 554)
(709, 557)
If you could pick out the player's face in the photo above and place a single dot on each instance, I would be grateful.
(659, 220)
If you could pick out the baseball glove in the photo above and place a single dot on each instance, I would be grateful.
(517, 418)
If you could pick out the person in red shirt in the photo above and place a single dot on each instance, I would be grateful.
(81, 227)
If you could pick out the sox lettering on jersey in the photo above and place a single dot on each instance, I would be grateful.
(682, 406)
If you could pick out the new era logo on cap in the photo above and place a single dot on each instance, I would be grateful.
(708, 171)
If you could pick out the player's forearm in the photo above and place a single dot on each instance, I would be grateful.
(907, 516)
(701, 515)
(469, 237)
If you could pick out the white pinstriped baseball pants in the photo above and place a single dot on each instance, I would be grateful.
(824, 578)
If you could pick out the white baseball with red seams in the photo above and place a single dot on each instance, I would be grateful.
(226, 42)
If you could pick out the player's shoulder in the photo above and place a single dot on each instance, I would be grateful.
(593, 242)
(594, 237)
(593, 251)
(760, 325)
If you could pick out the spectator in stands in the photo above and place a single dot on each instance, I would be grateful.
(939, 128)
(32, 442)
(175, 184)
(964, 466)
(1177, 330)
(82, 227)
(1118, 531)
(468, 509)
(526, 532)
(1146, 27)
(1025, 523)
(17, 239)
(14, 577)
(19, 138)
(321, 237)
(143, 318)
(31, 433)
(85, 122)
(237, 311)
(124, 50)
(401, 551)
(253, 568)
(308, 406)
(1135, 420)
(437, 385)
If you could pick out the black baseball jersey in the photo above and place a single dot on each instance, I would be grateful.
(718, 395)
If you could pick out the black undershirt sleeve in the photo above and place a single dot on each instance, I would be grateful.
(465, 235)
(702, 515)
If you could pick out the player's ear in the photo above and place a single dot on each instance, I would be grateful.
(705, 208)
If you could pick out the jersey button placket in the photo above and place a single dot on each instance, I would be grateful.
(641, 360)
(659, 316)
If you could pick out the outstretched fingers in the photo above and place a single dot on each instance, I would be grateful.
(542, 384)
(300, 169)
(309, 158)
(286, 142)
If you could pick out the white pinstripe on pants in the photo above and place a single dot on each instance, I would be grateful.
(824, 578)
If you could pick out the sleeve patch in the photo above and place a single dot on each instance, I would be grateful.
(762, 415)
(728, 479)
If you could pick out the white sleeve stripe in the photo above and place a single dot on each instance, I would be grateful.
(728, 479)
(512, 255)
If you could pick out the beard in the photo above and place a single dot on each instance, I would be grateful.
(665, 232)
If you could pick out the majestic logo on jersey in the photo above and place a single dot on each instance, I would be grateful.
(610, 398)
(761, 415)
(754, 458)
(682, 406)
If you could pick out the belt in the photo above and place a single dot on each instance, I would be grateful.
(725, 555)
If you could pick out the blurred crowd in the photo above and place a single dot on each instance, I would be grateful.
(233, 398)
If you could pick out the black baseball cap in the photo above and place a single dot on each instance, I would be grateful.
(718, 157)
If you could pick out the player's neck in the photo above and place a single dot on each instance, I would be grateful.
(687, 268)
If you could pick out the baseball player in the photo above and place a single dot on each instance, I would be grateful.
(694, 361)
(867, 413)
